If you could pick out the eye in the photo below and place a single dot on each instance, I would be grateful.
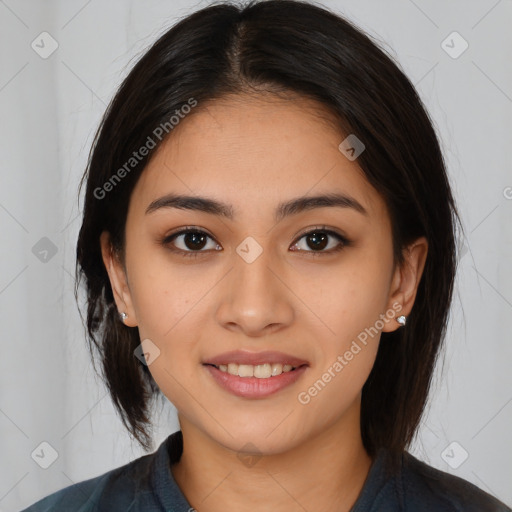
(189, 242)
(318, 240)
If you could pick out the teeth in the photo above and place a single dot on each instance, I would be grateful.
(263, 371)
(276, 369)
(260, 371)
(245, 370)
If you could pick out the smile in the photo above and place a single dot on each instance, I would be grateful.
(260, 371)
(250, 385)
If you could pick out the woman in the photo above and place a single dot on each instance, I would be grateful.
(268, 241)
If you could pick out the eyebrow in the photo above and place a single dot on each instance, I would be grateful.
(285, 209)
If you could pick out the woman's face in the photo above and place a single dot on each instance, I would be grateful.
(255, 281)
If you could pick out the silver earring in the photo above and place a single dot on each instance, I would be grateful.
(123, 316)
(401, 320)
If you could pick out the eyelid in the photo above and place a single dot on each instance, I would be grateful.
(188, 229)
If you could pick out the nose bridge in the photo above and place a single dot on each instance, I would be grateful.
(256, 298)
(254, 283)
(252, 266)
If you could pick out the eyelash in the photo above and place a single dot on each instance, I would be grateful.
(344, 242)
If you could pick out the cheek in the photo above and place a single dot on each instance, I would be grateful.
(335, 389)
(351, 306)
(165, 296)
(349, 298)
(346, 352)
(171, 306)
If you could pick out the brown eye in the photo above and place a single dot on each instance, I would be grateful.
(189, 242)
(194, 241)
(317, 240)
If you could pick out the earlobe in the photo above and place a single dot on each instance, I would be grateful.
(405, 282)
(118, 281)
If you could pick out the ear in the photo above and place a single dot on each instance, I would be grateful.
(405, 281)
(118, 280)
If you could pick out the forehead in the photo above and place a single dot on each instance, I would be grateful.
(254, 151)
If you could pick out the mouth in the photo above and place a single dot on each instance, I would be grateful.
(254, 382)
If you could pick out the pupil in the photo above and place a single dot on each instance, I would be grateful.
(196, 240)
(319, 240)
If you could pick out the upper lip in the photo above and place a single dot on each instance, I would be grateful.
(255, 358)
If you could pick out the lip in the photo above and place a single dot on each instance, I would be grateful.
(255, 358)
(253, 387)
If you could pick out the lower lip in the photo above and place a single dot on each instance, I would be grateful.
(252, 387)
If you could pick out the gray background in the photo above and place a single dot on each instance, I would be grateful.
(49, 109)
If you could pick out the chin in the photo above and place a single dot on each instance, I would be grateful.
(259, 441)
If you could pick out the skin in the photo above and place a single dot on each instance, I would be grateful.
(254, 152)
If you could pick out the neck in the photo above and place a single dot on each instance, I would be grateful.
(326, 472)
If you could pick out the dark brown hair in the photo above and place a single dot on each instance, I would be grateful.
(302, 48)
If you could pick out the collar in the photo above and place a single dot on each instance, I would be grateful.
(381, 490)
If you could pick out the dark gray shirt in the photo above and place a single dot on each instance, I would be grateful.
(146, 484)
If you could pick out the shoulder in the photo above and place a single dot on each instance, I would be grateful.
(117, 489)
(425, 488)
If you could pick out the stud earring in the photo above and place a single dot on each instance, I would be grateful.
(401, 320)
(123, 316)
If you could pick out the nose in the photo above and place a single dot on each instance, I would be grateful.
(256, 299)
